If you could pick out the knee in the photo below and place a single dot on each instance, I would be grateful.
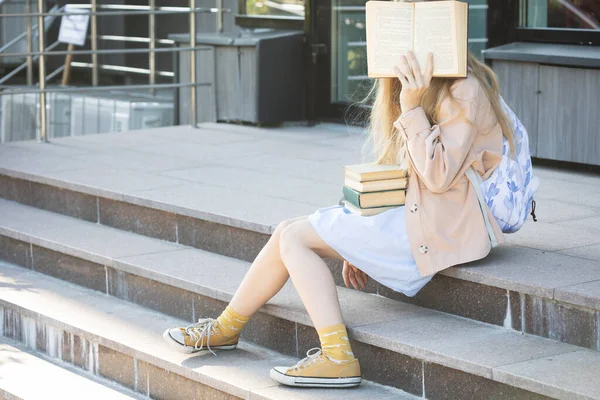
(290, 240)
(280, 228)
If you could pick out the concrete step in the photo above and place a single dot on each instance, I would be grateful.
(511, 288)
(24, 376)
(122, 342)
(186, 186)
(415, 344)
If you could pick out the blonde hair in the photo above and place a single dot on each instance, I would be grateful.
(388, 143)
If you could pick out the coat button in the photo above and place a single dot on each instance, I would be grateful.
(414, 208)
(423, 249)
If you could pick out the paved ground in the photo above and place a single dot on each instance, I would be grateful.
(266, 175)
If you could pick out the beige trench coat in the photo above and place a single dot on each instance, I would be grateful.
(443, 217)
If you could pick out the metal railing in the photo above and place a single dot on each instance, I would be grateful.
(98, 10)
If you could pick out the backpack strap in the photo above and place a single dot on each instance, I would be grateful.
(476, 180)
(533, 210)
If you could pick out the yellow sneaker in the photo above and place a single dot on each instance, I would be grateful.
(200, 336)
(317, 370)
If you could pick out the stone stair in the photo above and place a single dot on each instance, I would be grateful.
(111, 339)
(421, 351)
(534, 291)
(116, 220)
(25, 376)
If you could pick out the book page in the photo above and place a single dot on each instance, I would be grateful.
(389, 35)
(435, 32)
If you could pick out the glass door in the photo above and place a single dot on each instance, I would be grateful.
(349, 81)
(342, 80)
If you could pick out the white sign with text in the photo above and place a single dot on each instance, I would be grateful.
(73, 28)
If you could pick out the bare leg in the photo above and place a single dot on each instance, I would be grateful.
(266, 276)
(301, 251)
(294, 250)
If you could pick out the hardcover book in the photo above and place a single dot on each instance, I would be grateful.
(376, 186)
(394, 28)
(366, 212)
(375, 199)
(374, 172)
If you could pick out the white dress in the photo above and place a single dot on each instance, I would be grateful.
(377, 245)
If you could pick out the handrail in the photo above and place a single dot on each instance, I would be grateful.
(133, 39)
(106, 88)
(42, 73)
(193, 113)
(170, 10)
(152, 44)
(95, 10)
(24, 65)
(55, 73)
(94, 42)
(105, 51)
(29, 35)
(121, 68)
(23, 35)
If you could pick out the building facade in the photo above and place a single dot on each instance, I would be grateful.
(336, 36)
(546, 54)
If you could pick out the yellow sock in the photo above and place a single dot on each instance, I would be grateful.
(335, 343)
(231, 323)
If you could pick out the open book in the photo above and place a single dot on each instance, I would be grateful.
(394, 28)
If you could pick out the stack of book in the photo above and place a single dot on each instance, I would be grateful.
(370, 189)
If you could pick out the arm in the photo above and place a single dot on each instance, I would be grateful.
(438, 152)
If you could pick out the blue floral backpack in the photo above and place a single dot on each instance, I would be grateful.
(509, 191)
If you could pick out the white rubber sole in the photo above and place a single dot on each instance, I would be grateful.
(175, 345)
(278, 374)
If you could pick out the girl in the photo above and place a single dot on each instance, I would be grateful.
(436, 127)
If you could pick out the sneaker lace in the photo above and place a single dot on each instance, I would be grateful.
(204, 328)
(311, 358)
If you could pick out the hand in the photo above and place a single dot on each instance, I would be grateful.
(354, 276)
(414, 84)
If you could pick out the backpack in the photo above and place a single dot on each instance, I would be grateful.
(509, 191)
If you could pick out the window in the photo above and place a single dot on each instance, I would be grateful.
(550, 21)
(271, 14)
(560, 14)
(349, 81)
(544, 21)
(275, 8)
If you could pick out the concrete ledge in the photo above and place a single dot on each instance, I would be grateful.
(514, 287)
(377, 325)
(244, 240)
(547, 53)
(22, 179)
(52, 381)
(123, 342)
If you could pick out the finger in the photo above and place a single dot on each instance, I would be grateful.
(359, 277)
(346, 279)
(404, 67)
(400, 76)
(365, 278)
(414, 66)
(345, 275)
(428, 70)
(353, 281)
